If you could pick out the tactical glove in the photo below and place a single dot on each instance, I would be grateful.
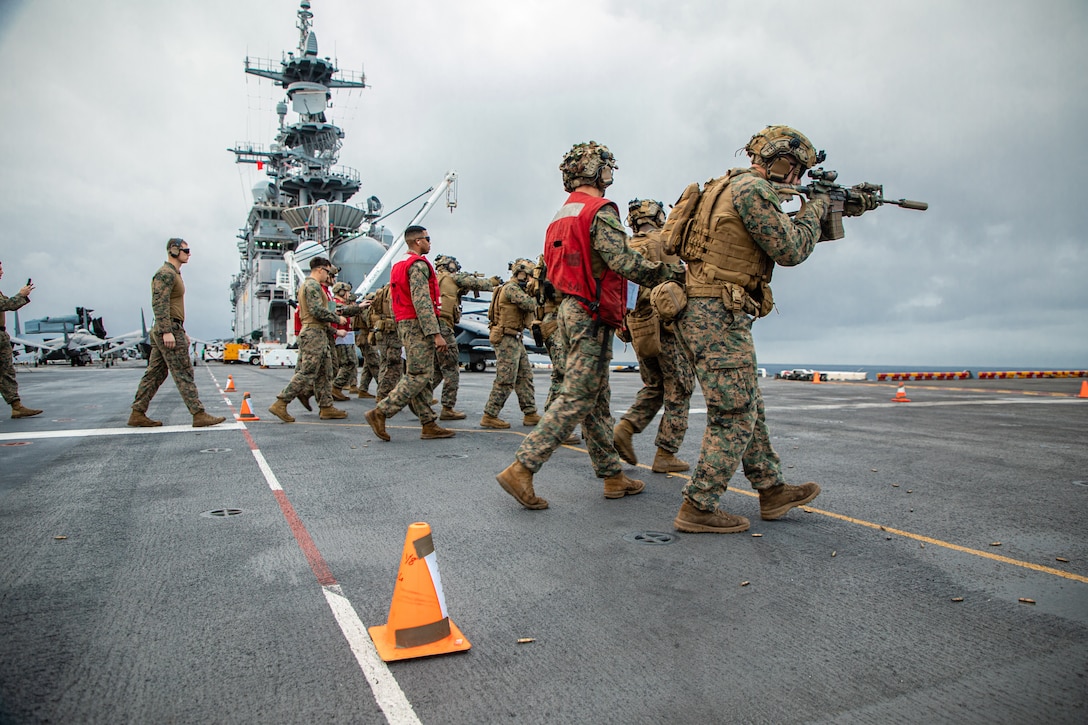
(495, 280)
(819, 197)
(859, 201)
(677, 272)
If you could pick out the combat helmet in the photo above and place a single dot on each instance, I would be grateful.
(583, 163)
(340, 287)
(779, 142)
(642, 211)
(446, 262)
(522, 265)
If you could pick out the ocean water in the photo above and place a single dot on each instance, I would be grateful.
(774, 368)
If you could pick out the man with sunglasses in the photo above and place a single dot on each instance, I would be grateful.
(314, 370)
(169, 344)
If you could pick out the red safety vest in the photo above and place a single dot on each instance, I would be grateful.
(400, 293)
(567, 254)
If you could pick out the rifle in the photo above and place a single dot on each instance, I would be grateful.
(852, 201)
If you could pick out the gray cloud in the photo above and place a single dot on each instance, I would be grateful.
(120, 113)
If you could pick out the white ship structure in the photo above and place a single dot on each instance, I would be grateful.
(302, 209)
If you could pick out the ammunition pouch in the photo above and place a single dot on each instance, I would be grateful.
(669, 299)
(495, 335)
(548, 328)
(645, 332)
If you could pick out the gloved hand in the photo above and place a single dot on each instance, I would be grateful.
(677, 272)
(819, 197)
(532, 286)
(495, 280)
(859, 201)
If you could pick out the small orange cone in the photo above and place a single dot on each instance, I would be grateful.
(246, 414)
(816, 377)
(418, 625)
(230, 385)
(1083, 389)
(901, 395)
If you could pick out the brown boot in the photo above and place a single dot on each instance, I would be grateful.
(353, 390)
(775, 501)
(305, 400)
(530, 420)
(338, 395)
(279, 409)
(517, 480)
(136, 419)
(451, 414)
(331, 413)
(697, 521)
(665, 462)
(620, 485)
(365, 393)
(203, 420)
(376, 419)
(621, 441)
(490, 421)
(432, 430)
(18, 410)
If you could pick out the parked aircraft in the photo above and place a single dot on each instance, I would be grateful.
(81, 335)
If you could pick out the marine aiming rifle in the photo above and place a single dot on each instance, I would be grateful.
(848, 201)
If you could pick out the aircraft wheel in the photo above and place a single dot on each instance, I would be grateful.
(478, 366)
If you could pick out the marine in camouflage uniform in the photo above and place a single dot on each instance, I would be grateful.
(370, 360)
(314, 370)
(169, 344)
(737, 233)
(512, 310)
(346, 357)
(9, 388)
(667, 376)
(585, 396)
(414, 293)
(452, 284)
(384, 326)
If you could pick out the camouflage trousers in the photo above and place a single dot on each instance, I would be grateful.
(370, 364)
(558, 354)
(447, 369)
(736, 428)
(414, 388)
(391, 366)
(667, 380)
(347, 363)
(585, 396)
(314, 370)
(8, 387)
(512, 373)
(174, 361)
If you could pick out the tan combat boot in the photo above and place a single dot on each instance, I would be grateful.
(338, 395)
(697, 521)
(620, 485)
(331, 413)
(365, 393)
(136, 419)
(530, 420)
(432, 430)
(490, 421)
(203, 420)
(18, 410)
(517, 480)
(621, 441)
(451, 414)
(305, 400)
(279, 409)
(353, 390)
(665, 462)
(775, 501)
(376, 419)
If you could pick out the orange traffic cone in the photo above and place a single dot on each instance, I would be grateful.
(230, 384)
(901, 395)
(816, 377)
(1083, 389)
(418, 625)
(246, 414)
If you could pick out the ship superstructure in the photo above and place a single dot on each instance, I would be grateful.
(304, 198)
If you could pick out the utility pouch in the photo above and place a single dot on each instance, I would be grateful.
(495, 335)
(645, 334)
(668, 301)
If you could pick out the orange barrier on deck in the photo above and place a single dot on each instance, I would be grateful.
(962, 375)
(1012, 374)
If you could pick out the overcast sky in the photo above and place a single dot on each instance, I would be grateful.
(120, 113)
